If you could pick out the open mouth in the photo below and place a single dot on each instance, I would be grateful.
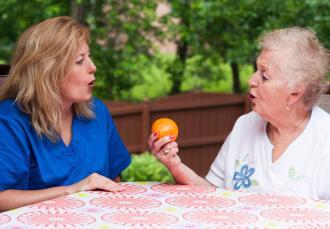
(251, 96)
(91, 83)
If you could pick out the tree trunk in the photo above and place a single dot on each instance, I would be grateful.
(235, 74)
(182, 52)
(78, 10)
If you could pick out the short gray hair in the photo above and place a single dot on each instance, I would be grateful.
(309, 59)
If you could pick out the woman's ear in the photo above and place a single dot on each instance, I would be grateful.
(296, 94)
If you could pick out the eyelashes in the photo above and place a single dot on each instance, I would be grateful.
(264, 76)
(81, 61)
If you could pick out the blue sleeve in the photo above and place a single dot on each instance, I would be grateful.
(119, 156)
(14, 155)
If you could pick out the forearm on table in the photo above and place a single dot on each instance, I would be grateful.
(11, 199)
(182, 174)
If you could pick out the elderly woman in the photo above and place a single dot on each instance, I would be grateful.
(56, 139)
(283, 145)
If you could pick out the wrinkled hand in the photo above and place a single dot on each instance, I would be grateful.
(96, 181)
(165, 149)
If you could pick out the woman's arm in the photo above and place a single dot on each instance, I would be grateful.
(166, 151)
(11, 199)
(185, 175)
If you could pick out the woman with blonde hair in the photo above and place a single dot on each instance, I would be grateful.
(283, 145)
(56, 139)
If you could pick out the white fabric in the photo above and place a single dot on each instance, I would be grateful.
(304, 168)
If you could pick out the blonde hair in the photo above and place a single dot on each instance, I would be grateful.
(308, 59)
(43, 56)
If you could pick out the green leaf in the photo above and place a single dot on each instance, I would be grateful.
(292, 172)
(236, 163)
(255, 182)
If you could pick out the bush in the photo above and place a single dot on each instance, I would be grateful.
(145, 167)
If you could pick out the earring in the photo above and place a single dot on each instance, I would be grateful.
(287, 107)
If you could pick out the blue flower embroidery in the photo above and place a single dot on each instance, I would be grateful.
(242, 178)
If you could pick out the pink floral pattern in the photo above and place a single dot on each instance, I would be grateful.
(4, 218)
(94, 210)
(309, 226)
(297, 215)
(221, 217)
(150, 205)
(155, 195)
(55, 219)
(200, 201)
(272, 200)
(140, 219)
(125, 202)
(130, 189)
(62, 203)
(186, 189)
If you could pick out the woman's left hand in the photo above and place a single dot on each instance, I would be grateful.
(165, 149)
(96, 181)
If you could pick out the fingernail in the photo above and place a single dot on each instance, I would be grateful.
(155, 134)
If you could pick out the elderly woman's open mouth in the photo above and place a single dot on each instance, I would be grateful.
(251, 96)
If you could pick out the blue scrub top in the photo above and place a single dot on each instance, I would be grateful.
(28, 162)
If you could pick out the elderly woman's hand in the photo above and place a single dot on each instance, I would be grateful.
(96, 181)
(165, 149)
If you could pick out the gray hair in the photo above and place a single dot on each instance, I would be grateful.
(308, 59)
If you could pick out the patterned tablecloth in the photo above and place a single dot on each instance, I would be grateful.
(155, 205)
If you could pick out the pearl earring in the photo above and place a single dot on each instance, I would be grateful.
(287, 107)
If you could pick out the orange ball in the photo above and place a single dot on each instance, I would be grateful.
(164, 127)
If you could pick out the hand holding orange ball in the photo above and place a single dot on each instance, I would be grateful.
(164, 127)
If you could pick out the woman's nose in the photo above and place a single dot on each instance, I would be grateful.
(92, 67)
(253, 80)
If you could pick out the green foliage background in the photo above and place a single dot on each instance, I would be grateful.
(213, 38)
(145, 167)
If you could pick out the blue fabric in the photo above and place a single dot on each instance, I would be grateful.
(28, 162)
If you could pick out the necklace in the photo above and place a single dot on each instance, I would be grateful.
(286, 137)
